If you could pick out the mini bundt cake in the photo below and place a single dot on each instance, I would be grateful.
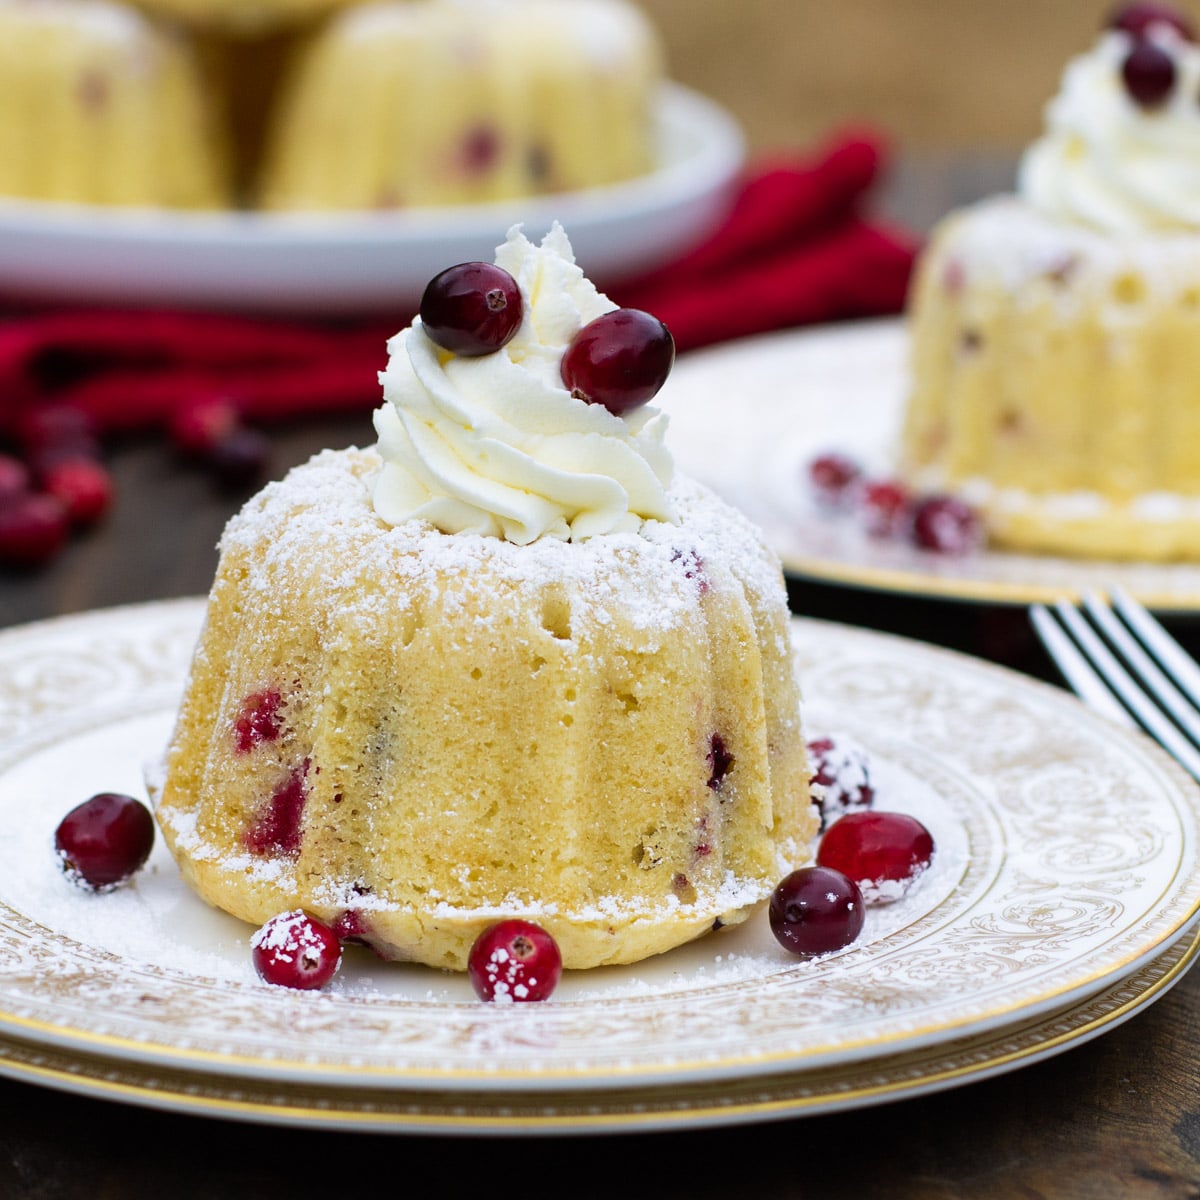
(103, 106)
(429, 102)
(1055, 333)
(505, 664)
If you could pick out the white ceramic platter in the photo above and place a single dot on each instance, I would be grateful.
(1067, 861)
(748, 416)
(347, 263)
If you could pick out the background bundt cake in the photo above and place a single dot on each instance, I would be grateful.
(412, 725)
(413, 102)
(1056, 332)
(103, 106)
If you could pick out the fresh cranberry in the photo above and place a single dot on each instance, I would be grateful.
(83, 486)
(14, 477)
(53, 431)
(1149, 74)
(472, 309)
(815, 910)
(720, 762)
(883, 852)
(33, 529)
(240, 458)
(833, 478)
(619, 360)
(258, 720)
(514, 961)
(199, 428)
(277, 829)
(1139, 19)
(104, 840)
(295, 950)
(946, 525)
(841, 779)
(886, 507)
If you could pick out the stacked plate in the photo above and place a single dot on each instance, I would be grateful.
(1061, 901)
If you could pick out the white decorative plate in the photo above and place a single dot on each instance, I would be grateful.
(1067, 861)
(748, 416)
(607, 1110)
(339, 263)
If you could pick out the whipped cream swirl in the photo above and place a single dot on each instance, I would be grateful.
(1105, 162)
(497, 445)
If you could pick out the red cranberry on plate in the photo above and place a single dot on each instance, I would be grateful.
(33, 528)
(883, 852)
(295, 950)
(619, 360)
(83, 486)
(471, 309)
(514, 961)
(946, 525)
(886, 509)
(103, 841)
(833, 477)
(816, 910)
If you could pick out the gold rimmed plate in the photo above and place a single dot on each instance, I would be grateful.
(1067, 862)
(747, 418)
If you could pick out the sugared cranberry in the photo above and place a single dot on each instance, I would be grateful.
(886, 508)
(720, 762)
(14, 477)
(1149, 74)
(946, 525)
(619, 360)
(815, 910)
(1138, 19)
(883, 852)
(833, 477)
(514, 961)
(471, 309)
(198, 428)
(258, 720)
(841, 779)
(240, 458)
(277, 829)
(33, 529)
(84, 488)
(104, 840)
(295, 950)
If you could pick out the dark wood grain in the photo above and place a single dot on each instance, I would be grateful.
(1116, 1117)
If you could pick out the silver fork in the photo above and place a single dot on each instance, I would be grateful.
(1120, 661)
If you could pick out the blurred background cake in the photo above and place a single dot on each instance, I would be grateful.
(1055, 347)
(104, 106)
(411, 102)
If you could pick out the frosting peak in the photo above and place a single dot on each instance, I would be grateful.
(1107, 162)
(496, 444)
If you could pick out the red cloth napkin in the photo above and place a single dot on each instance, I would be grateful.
(798, 246)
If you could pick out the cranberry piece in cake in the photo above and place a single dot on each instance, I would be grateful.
(258, 720)
(619, 360)
(471, 309)
(514, 961)
(278, 829)
(1148, 73)
(883, 852)
(295, 950)
(720, 762)
(103, 841)
(816, 910)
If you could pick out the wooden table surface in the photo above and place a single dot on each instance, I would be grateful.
(1118, 1116)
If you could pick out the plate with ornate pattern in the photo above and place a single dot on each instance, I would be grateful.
(1066, 862)
(610, 1110)
(748, 416)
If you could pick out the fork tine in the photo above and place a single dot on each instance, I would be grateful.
(1182, 666)
(1084, 681)
(1107, 680)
